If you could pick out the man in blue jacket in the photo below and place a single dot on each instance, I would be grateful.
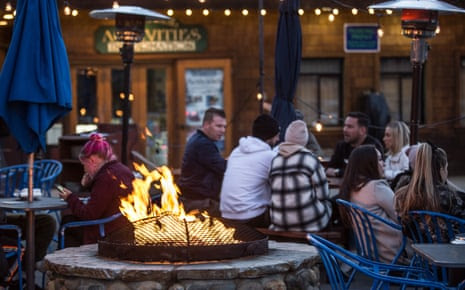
(203, 166)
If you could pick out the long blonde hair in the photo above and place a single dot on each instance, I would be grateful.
(420, 194)
(400, 136)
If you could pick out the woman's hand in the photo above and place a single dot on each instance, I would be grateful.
(64, 193)
(86, 179)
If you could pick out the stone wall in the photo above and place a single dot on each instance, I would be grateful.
(286, 266)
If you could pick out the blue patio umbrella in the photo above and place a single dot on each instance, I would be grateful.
(287, 63)
(35, 87)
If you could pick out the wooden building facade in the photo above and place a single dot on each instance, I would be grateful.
(230, 51)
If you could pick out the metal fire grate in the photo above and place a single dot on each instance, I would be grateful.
(168, 238)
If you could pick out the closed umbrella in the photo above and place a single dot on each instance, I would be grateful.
(287, 63)
(35, 84)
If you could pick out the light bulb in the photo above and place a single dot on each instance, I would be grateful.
(336, 11)
(300, 12)
(259, 96)
(115, 4)
(170, 12)
(354, 11)
(380, 31)
(67, 10)
(188, 12)
(371, 11)
(227, 12)
(245, 12)
(438, 29)
(205, 12)
(317, 11)
(331, 17)
(8, 6)
(318, 126)
(262, 12)
(75, 12)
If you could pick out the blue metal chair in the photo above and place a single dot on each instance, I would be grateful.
(15, 177)
(16, 251)
(49, 171)
(333, 256)
(100, 222)
(431, 227)
(361, 220)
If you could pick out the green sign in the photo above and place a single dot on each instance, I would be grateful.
(361, 38)
(159, 38)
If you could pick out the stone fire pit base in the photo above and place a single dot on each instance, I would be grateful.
(286, 266)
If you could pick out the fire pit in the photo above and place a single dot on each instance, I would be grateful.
(165, 248)
(168, 238)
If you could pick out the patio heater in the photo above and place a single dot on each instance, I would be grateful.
(419, 21)
(130, 24)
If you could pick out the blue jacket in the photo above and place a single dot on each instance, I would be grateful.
(202, 168)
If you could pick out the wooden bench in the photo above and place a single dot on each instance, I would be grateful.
(335, 234)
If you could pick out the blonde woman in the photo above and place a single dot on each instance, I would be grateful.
(396, 140)
(428, 188)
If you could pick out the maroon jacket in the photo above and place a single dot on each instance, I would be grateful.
(104, 201)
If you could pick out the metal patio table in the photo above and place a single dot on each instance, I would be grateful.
(444, 255)
(22, 204)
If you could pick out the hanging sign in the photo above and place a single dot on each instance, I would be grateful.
(159, 38)
(361, 37)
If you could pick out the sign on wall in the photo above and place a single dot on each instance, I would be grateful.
(361, 37)
(159, 38)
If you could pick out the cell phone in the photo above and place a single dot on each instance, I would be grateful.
(60, 188)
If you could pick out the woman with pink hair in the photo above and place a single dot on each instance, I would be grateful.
(107, 180)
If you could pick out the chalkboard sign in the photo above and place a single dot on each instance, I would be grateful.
(361, 38)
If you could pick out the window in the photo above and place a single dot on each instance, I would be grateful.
(87, 96)
(462, 90)
(319, 91)
(157, 141)
(396, 85)
(117, 88)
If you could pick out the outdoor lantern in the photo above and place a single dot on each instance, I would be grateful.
(419, 21)
(130, 25)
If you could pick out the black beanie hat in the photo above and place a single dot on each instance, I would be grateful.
(265, 127)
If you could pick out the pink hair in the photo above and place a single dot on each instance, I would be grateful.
(97, 145)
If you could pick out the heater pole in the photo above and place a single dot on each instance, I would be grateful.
(127, 54)
(418, 57)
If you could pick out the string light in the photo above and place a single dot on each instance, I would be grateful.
(170, 12)
(331, 17)
(318, 126)
(262, 12)
(245, 12)
(205, 12)
(75, 12)
(354, 11)
(8, 6)
(115, 4)
(67, 10)
(188, 12)
(300, 12)
(336, 11)
(259, 96)
(380, 31)
(317, 11)
(227, 12)
(371, 11)
(438, 29)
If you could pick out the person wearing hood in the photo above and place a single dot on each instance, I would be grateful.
(245, 192)
(300, 197)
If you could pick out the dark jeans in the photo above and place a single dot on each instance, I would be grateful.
(261, 221)
(45, 226)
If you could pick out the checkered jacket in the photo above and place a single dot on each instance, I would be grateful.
(299, 193)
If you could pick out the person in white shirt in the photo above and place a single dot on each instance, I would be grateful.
(245, 192)
(396, 140)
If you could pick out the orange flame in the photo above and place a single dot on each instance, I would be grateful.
(138, 204)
